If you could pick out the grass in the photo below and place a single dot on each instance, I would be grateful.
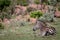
(26, 33)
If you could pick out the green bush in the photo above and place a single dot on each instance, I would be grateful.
(4, 3)
(46, 2)
(1, 26)
(37, 1)
(59, 8)
(48, 17)
(5, 15)
(22, 2)
(36, 14)
(52, 2)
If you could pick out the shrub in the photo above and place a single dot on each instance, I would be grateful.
(59, 8)
(5, 15)
(46, 2)
(48, 17)
(29, 9)
(1, 26)
(37, 1)
(4, 3)
(52, 2)
(22, 2)
(36, 14)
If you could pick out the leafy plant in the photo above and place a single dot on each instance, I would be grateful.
(4, 3)
(37, 1)
(36, 14)
(48, 17)
(52, 2)
(5, 15)
(59, 8)
(22, 2)
(1, 26)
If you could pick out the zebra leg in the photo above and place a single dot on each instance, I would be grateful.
(43, 33)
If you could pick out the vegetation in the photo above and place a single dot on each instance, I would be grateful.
(18, 28)
(59, 8)
(5, 15)
(4, 12)
(36, 14)
(1, 26)
(29, 9)
(52, 2)
(4, 3)
(22, 2)
(37, 1)
(18, 23)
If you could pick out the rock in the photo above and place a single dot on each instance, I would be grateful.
(20, 10)
(32, 20)
(57, 14)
